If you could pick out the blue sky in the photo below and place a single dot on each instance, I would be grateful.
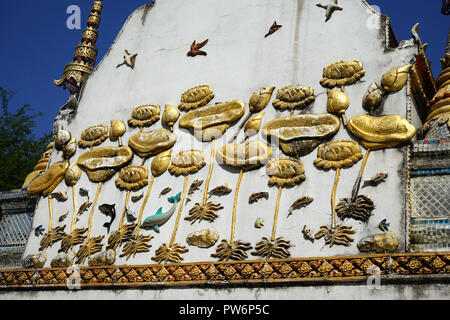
(36, 44)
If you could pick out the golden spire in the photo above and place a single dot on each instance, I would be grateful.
(82, 65)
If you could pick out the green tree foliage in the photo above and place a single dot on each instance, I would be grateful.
(20, 150)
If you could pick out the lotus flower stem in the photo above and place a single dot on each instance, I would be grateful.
(344, 119)
(74, 197)
(124, 209)
(277, 210)
(238, 186)
(177, 222)
(211, 166)
(149, 189)
(333, 197)
(241, 126)
(357, 185)
(50, 210)
(99, 188)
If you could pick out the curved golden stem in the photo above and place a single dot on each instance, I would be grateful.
(277, 209)
(143, 206)
(99, 188)
(233, 224)
(50, 210)
(333, 196)
(74, 197)
(124, 209)
(174, 233)
(360, 175)
(240, 127)
(208, 179)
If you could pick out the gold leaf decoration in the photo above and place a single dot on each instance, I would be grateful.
(285, 172)
(170, 116)
(187, 162)
(196, 97)
(93, 136)
(338, 154)
(70, 148)
(49, 180)
(277, 249)
(62, 138)
(337, 102)
(116, 129)
(211, 122)
(206, 212)
(373, 99)
(381, 132)
(72, 239)
(260, 98)
(359, 209)
(339, 235)
(169, 253)
(395, 79)
(150, 143)
(144, 116)
(124, 234)
(139, 245)
(93, 246)
(203, 238)
(63, 260)
(161, 162)
(253, 126)
(106, 258)
(342, 73)
(35, 261)
(380, 243)
(52, 237)
(294, 96)
(248, 155)
(232, 251)
(132, 178)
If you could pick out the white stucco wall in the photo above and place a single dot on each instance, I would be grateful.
(240, 60)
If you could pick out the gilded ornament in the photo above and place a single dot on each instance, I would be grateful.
(150, 143)
(49, 180)
(187, 162)
(294, 96)
(63, 260)
(74, 238)
(132, 178)
(161, 162)
(211, 122)
(338, 154)
(102, 163)
(373, 99)
(248, 155)
(92, 246)
(380, 243)
(93, 136)
(170, 116)
(342, 73)
(140, 244)
(204, 212)
(122, 235)
(70, 148)
(204, 238)
(285, 172)
(441, 98)
(381, 132)
(395, 79)
(144, 116)
(253, 126)
(359, 208)
(169, 253)
(339, 235)
(72, 175)
(62, 138)
(101, 259)
(337, 102)
(275, 249)
(236, 250)
(196, 97)
(260, 99)
(116, 130)
(52, 237)
(36, 261)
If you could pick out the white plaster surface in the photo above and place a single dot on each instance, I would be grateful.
(240, 60)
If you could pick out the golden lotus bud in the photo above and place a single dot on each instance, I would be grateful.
(187, 162)
(338, 101)
(260, 99)
(73, 174)
(161, 163)
(285, 172)
(70, 149)
(253, 125)
(372, 99)
(396, 78)
(338, 154)
(61, 138)
(117, 129)
(170, 116)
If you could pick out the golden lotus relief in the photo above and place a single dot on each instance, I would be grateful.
(102, 163)
(204, 238)
(150, 143)
(253, 126)
(161, 162)
(170, 116)
(337, 102)
(373, 99)
(61, 138)
(248, 155)
(49, 180)
(93, 136)
(285, 172)
(381, 132)
(132, 178)
(196, 97)
(294, 96)
(338, 154)
(395, 79)
(187, 162)
(380, 243)
(211, 122)
(105, 258)
(144, 116)
(117, 129)
(72, 175)
(260, 99)
(342, 73)
(70, 148)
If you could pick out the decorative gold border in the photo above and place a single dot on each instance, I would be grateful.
(300, 270)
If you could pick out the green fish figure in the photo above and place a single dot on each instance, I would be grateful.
(161, 217)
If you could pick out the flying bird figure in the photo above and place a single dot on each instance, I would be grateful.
(330, 8)
(273, 29)
(195, 49)
(129, 59)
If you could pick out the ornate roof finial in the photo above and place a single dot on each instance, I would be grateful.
(76, 72)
